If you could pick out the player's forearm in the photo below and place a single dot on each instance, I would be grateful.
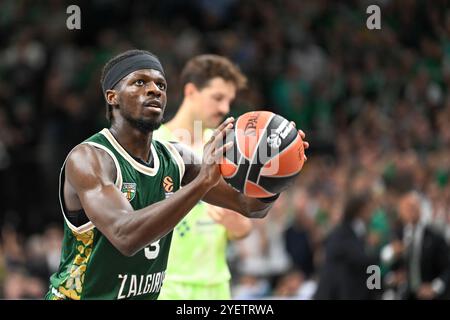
(142, 227)
(224, 196)
(255, 208)
(238, 227)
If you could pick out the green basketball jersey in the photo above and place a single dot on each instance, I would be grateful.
(91, 267)
(198, 251)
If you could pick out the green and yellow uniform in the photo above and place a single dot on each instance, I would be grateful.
(91, 267)
(197, 267)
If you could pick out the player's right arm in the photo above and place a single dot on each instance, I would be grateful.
(90, 173)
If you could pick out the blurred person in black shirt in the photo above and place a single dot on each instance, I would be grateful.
(420, 258)
(344, 272)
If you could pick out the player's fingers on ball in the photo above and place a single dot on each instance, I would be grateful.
(301, 133)
(218, 139)
(305, 144)
(218, 134)
(210, 140)
(220, 151)
(294, 124)
(209, 156)
(227, 129)
(222, 126)
(207, 160)
(227, 146)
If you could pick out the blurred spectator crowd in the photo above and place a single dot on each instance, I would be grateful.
(375, 105)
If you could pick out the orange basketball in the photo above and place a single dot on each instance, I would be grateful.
(266, 157)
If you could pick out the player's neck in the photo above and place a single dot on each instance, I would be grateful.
(183, 120)
(134, 141)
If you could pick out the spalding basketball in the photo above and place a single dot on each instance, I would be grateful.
(266, 157)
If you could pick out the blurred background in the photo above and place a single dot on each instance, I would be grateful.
(375, 105)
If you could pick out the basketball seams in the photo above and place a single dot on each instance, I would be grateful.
(235, 171)
(257, 148)
(278, 176)
(240, 156)
(276, 184)
(264, 189)
(237, 140)
(267, 135)
(254, 176)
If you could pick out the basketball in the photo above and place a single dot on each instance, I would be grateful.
(266, 157)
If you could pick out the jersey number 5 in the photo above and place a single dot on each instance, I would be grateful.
(152, 251)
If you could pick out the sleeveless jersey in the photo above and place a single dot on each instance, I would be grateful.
(198, 251)
(91, 267)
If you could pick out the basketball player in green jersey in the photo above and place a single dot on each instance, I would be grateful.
(197, 266)
(119, 190)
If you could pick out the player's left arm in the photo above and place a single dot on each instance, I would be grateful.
(223, 195)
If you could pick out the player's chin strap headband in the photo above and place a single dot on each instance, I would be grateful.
(129, 65)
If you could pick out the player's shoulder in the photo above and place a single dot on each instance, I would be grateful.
(88, 152)
(87, 158)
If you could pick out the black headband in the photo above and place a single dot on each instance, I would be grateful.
(129, 65)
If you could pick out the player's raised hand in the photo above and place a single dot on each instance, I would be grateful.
(303, 136)
(305, 143)
(213, 152)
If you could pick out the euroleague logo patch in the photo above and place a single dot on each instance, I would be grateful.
(168, 184)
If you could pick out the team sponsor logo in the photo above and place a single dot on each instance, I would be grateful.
(129, 190)
(250, 126)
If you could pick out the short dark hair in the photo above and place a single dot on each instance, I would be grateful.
(201, 69)
(355, 204)
(111, 63)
